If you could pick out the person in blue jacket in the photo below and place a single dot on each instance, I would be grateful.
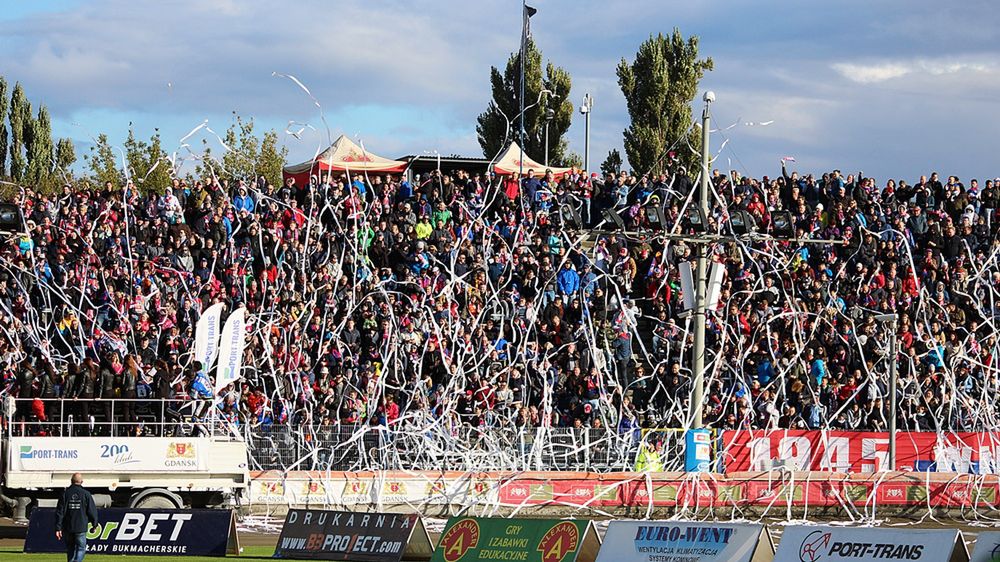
(200, 391)
(242, 201)
(568, 281)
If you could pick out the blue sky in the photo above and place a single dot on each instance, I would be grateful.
(896, 88)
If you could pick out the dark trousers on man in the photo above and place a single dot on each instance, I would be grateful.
(76, 546)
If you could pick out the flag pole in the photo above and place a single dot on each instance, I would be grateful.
(520, 120)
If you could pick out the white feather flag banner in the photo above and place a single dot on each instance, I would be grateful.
(231, 350)
(206, 336)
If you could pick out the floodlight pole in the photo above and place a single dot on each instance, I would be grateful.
(701, 243)
(585, 109)
(549, 115)
(698, 387)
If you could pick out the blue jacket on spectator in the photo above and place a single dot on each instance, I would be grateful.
(529, 186)
(765, 372)
(243, 203)
(818, 371)
(201, 386)
(568, 280)
(405, 191)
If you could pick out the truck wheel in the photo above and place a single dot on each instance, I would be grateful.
(156, 500)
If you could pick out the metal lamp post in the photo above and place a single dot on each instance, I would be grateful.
(701, 242)
(697, 393)
(550, 114)
(586, 109)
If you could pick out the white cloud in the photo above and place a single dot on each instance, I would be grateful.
(867, 74)
(873, 73)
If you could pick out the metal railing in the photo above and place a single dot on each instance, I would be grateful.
(348, 447)
(113, 417)
(362, 447)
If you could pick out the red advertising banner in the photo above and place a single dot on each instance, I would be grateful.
(696, 492)
(859, 452)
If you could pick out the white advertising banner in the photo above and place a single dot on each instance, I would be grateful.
(681, 541)
(206, 336)
(231, 350)
(987, 547)
(854, 544)
(104, 454)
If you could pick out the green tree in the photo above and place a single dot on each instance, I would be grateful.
(613, 163)
(3, 126)
(65, 157)
(102, 163)
(248, 156)
(40, 150)
(135, 156)
(160, 173)
(658, 87)
(149, 168)
(271, 159)
(20, 127)
(208, 166)
(240, 161)
(492, 128)
(572, 159)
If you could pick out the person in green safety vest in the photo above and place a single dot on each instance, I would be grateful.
(648, 459)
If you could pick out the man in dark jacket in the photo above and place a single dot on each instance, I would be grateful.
(74, 511)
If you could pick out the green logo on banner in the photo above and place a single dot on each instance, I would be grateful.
(602, 492)
(541, 492)
(856, 493)
(916, 493)
(730, 493)
(468, 539)
(665, 493)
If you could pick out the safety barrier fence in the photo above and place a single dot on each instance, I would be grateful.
(358, 447)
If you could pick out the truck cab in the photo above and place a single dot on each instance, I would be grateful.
(158, 458)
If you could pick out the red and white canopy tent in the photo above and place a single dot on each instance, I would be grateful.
(514, 160)
(342, 156)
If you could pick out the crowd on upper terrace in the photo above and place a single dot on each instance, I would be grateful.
(483, 300)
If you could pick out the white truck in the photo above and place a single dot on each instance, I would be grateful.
(152, 461)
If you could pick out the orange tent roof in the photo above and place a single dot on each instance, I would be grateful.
(345, 155)
(514, 158)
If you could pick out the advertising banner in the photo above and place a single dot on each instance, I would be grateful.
(854, 544)
(315, 534)
(697, 450)
(987, 547)
(526, 540)
(679, 541)
(583, 492)
(234, 335)
(850, 451)
(345, 490)
(104, 454)
(137, 532)
(206, 335)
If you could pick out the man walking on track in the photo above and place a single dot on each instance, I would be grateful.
(74, 511)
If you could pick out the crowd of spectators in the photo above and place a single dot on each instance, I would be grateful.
(488, 301)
